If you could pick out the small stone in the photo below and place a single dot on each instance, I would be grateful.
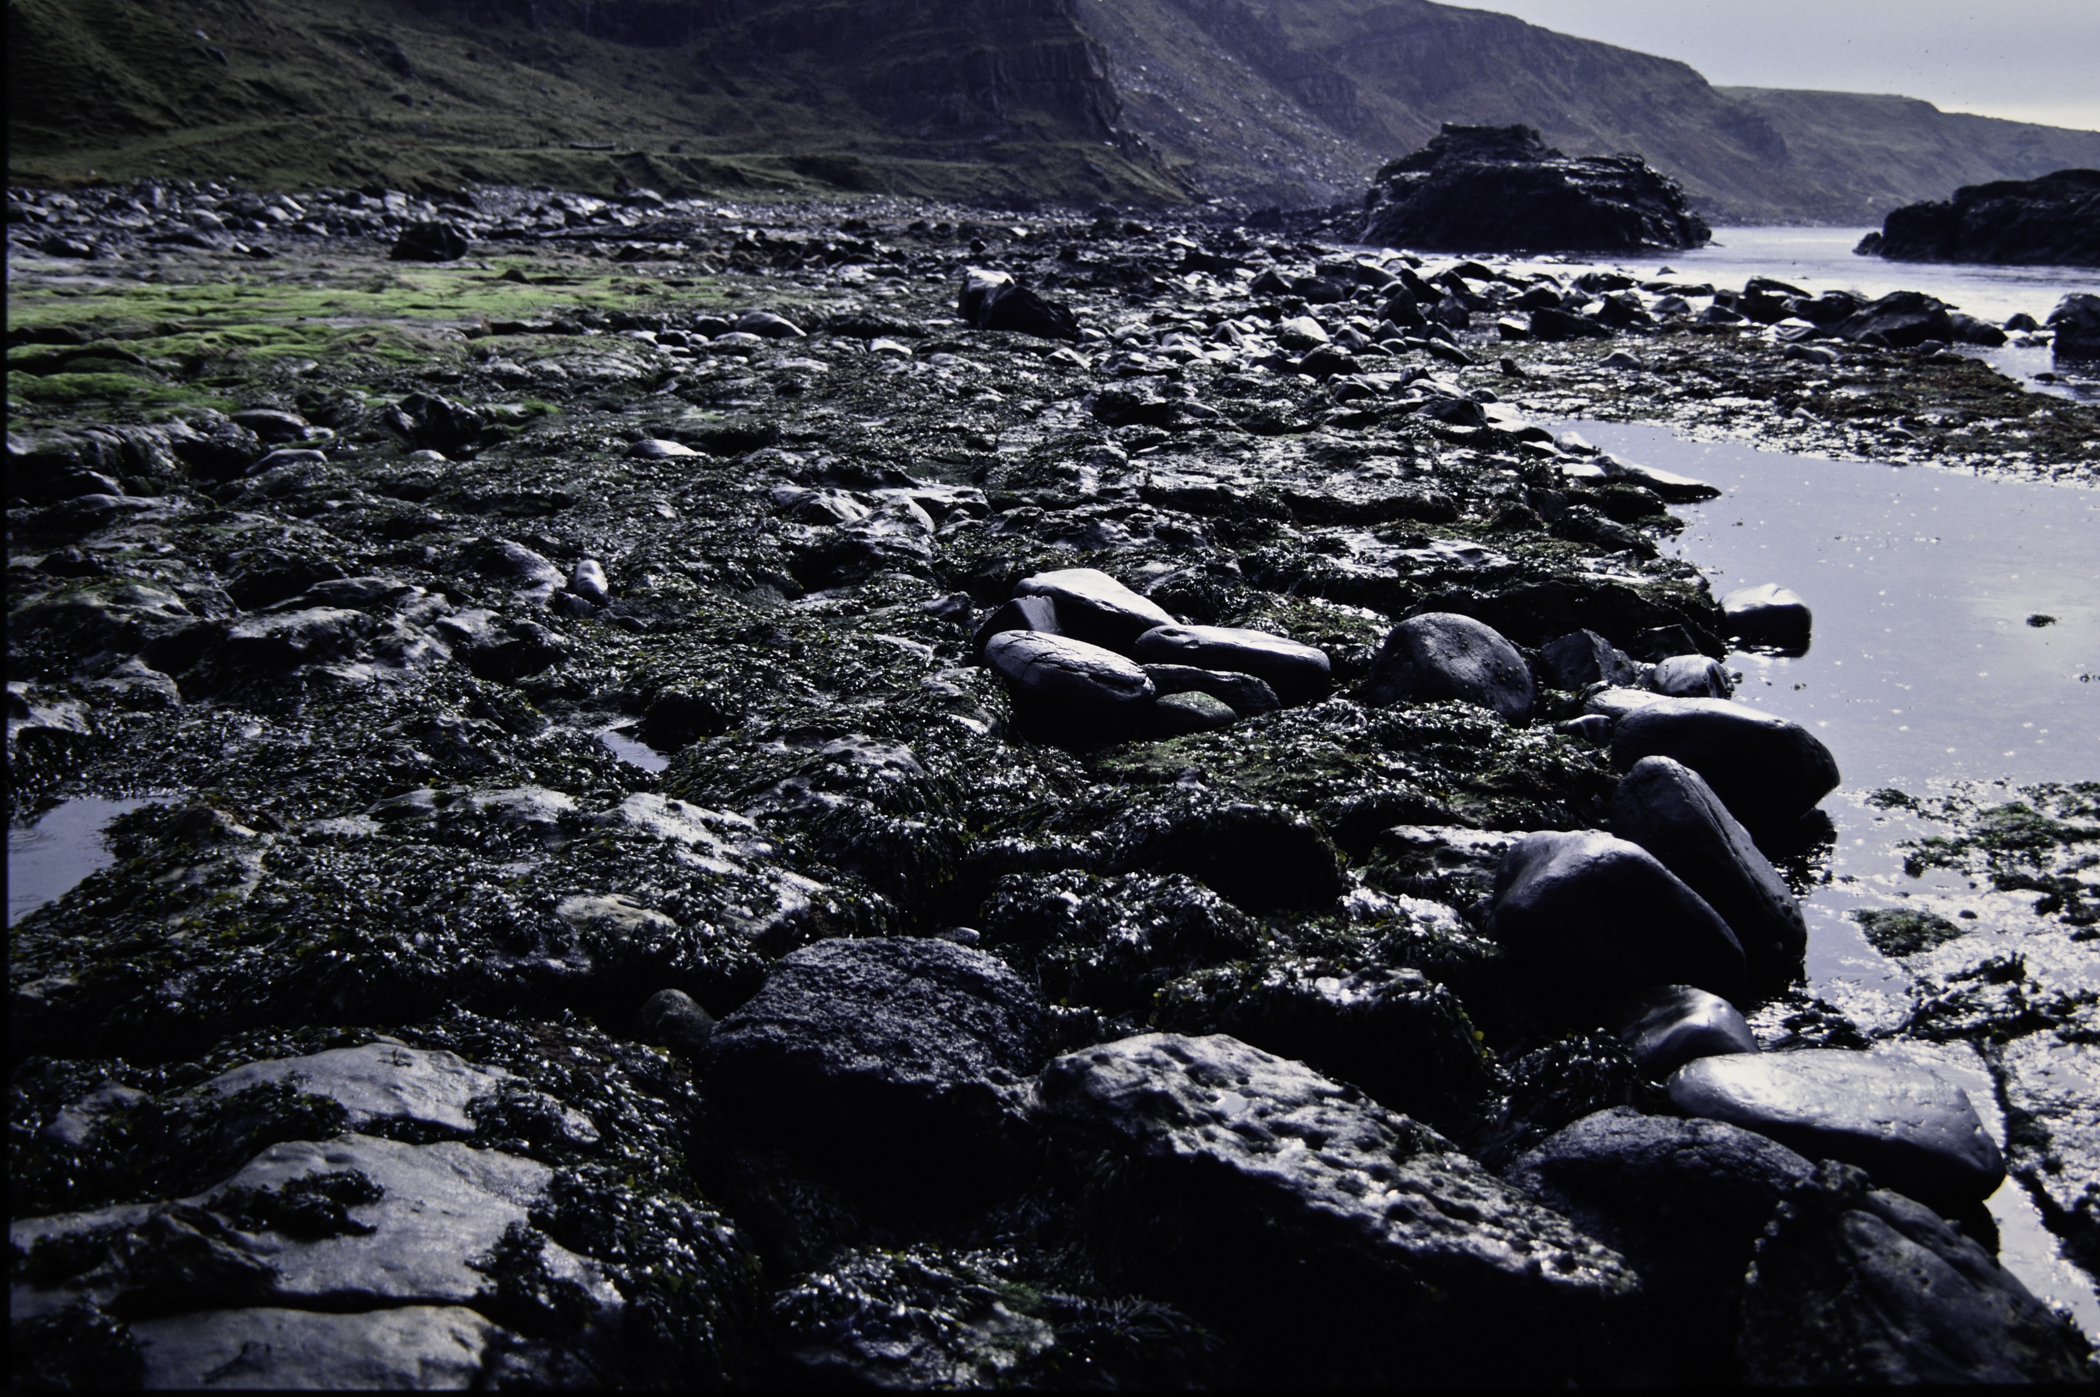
(1666, 1027)
(767, 326)
(671, 1019)
(430, 241)
(1298, 673)
(1690, 676)
(587, 580)
(657, 449)
(1768, 614)
(1174, 715)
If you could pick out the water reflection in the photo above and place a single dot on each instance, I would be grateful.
(47, 859)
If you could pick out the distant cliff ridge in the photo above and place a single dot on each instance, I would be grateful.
(1252, 102)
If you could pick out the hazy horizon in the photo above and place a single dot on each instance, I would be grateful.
(2032, 60)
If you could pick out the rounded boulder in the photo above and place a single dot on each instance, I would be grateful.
(1765, 769)
(1442, 655)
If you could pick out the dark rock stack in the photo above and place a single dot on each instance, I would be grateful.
(2051, 221)
(1503, 189)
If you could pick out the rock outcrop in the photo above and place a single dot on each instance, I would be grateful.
(1503, 189)
(2051, 221)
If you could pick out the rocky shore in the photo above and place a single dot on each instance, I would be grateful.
(2051, 221)
(891, 795)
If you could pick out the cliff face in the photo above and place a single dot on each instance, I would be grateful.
(1255, 102)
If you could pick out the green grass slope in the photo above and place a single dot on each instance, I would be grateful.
(999, 101)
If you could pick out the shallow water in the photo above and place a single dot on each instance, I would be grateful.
(47, 859)
(1923, 671)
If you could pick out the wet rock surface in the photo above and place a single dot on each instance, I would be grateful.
(597, 698)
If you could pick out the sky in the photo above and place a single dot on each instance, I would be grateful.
(2026, 60)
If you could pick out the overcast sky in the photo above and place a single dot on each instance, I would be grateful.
(2029, 60)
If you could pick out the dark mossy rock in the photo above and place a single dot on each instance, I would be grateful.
(878, 1058)
(1684, 1201)
(931, 1317)
(1854, 1284)
(1405, 1040)
(1112, 942)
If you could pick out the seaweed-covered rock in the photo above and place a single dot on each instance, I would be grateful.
(930, 1317)
(1260, 854)
(1854, 1284)
(1339, 1241)
(1914, 1131)
(1502, 189)
(881, 1056)
(1405, 1040)
(1112, 942)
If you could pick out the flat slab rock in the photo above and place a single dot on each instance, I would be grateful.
(1915, 1132)
(441, 1347)
(440, 1207)
(1246, 1152)
(389, 1082)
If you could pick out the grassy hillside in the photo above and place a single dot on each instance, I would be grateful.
(1058, 101)
(1007, 101)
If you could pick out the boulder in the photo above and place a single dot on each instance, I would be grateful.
(1899, 320)
(2053, 220)
(1242, 693)
(1067, 685)
(1589, 915)
(1297, 673)
(1112, 942)
(1502, 189)
(1339, 1242)
(1912, 1130)
(1765, 769)
(1551, 323)
(1582, 658)
(2076, 321)
(671, 1019)
(1262, 856)
(767, 326)
(1665, 1027)
(995, 301)
(1401, 1037)
(1442, 655)
(415, 1346)
(1857, 1285)
(430, 241)
(1691, 676)
(1093, 606)
(888, 1057)
(1666, 808)
(1768, 614)
(1683, 1200)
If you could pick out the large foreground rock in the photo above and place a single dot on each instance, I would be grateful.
(1765, 769)
(1503, 189)
(2051, 221)
(1684, 1200)
(1666, 808)
(886, 1055)
(1912, 1130)
(1857, 1285)
(1589, 916)
(1337, 1240)
(1442, 655)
